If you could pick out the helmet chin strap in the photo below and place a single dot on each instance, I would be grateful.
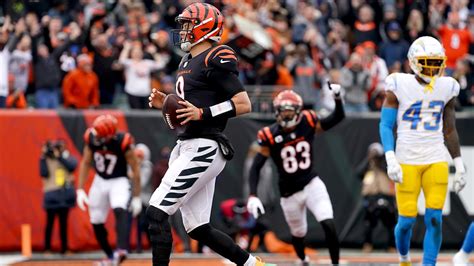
(289, 124)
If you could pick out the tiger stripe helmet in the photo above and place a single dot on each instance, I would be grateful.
(288, 100)
(105, 126)
(198, 22)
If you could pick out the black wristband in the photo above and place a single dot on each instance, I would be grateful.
(222, 110)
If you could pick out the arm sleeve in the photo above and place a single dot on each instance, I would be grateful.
(254, 174)
(69, 162)
(43, 168)
(388, 119)
(335, 117)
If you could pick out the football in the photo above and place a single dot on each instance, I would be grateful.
(170, 105)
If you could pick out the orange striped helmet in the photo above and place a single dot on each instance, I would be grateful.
(199, 22)
(105, 126)
(288, 105)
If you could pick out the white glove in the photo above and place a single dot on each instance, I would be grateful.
(459, 181)
(135, 206)
(255, 206)
(394, 170)
(335, 88)
(82, 199)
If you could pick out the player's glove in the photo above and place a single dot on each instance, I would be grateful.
(82, 199)
(335, 88)
(394, 170)
(459, 181)
(135, 206)
(255, 206)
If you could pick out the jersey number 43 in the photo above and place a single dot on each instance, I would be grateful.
(413, 115)
(290, 162)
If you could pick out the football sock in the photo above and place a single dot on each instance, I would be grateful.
(160, 236)
(101, 236)
(433, 236)
(220, 243)
(468, 244)
(403, 234)
(332, 239)
(298, 245)
(121, 228)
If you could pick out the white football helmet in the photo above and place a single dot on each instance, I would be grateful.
(427, 58)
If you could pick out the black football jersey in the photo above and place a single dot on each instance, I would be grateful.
(200, 81)
(109, 158)
(292, 152)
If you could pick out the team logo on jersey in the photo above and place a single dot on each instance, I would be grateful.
(278, 139)
(185, 64)
(293, 136)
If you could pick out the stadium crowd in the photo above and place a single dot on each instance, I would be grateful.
(80, 53)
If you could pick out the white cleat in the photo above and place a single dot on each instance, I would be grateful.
(461, 258)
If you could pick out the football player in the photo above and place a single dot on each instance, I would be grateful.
(109, 152)
(207, 81)
(422, 106)
(289, 143)
(462, 257)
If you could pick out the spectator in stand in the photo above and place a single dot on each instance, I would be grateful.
(465, 77)
(338, 49)
(395, 48)
(376, 66)
(15, 98)
(81, 86)
(105, 65)
(305, 76)
(137, 74)
(455, 40)
(355, 81)
(6, 48)
(20, 61)
(365, 29)
(415, 26)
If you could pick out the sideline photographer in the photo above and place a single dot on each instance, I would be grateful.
(56, 167)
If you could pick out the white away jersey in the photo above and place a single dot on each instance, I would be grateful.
(420, 137)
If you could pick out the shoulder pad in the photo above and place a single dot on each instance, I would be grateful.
(126, 142)
(222, 57)
(310, 117)
(265, 137)
(88, 136)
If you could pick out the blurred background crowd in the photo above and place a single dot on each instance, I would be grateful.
(109, 54)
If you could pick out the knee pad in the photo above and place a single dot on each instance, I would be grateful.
(158, 225)
(299, 231)
(435, 202)
(200, 232)
(405, 223)
(433, 219)
(155, 214)
(408, 209)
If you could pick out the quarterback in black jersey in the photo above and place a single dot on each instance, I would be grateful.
(207, 81)
(289, 143)
(109, 152)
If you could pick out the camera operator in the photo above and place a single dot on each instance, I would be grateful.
(56, 167)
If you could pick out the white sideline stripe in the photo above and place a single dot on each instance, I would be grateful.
(10, 259)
